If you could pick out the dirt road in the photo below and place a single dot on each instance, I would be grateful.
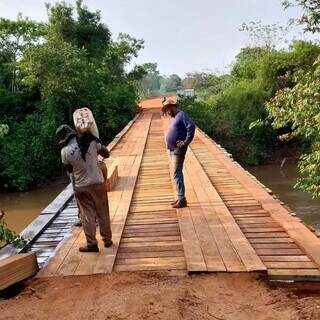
(138, 296)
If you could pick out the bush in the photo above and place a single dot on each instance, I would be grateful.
(29, 155)
(75, 64)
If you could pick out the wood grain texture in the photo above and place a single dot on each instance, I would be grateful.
(17, 268)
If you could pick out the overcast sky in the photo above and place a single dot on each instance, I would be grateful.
(180, 35)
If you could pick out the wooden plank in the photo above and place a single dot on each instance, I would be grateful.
(17, 268)
(154, 220)
(151, 267)
(279, 252)
(195, 260)
(151, 239)
(151, 261)
(295, 229)
(106, 262)
(149, 244)
(153, 227)
(294, 274)
(270, 240)
(285, 258)
(149, 233)
(113, 177)
(227, 251)
(267, 229)
(150, 254)
(210, 251)
(124, 165)
(290, 265)
(71, 262)
(153, 247)
(275, 246)
(60, 202)
(266, 235)
(88, 261)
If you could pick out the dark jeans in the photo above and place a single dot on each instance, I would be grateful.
(177, 156)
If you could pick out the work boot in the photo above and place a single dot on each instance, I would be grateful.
(89, 248)
(180, 204)
(108, 244)
(174, 202)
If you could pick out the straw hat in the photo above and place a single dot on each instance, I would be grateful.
(168, 103)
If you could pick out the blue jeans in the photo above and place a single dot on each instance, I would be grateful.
(177, 156)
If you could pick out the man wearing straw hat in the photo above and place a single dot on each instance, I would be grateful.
(179, 136)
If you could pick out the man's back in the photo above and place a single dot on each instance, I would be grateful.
(86, 172)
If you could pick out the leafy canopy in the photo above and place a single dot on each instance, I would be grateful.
(70, 62)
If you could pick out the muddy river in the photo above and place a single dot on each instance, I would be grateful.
(21, 208)
(281, 182)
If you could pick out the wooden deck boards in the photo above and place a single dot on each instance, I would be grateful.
(232, 223)
(272, 237)
(151, 238)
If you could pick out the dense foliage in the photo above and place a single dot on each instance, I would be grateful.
(296, 108)
(49, 70)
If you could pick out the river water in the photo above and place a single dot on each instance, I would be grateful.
(22, 208)
(281, 182)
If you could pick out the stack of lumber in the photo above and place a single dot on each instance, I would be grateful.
(17, 268)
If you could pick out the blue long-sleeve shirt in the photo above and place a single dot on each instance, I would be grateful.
(181, 128)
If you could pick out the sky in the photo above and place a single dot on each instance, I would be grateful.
(180, 35)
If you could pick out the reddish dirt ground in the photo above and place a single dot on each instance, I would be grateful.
(135, 296)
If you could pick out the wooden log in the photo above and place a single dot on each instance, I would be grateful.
(17, 268)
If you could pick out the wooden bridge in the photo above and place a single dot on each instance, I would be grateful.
(232, 224)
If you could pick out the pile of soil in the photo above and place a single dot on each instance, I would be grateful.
(136, 296)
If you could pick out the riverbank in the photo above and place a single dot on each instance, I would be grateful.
(157, 296)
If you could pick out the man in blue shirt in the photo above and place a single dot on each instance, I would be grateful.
(179, 136)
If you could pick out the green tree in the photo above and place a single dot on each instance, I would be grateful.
(15, 37)
(150, 83)
(170, 84)
(311, 13)
(298, 109)
(265, 36)
(75, 64)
